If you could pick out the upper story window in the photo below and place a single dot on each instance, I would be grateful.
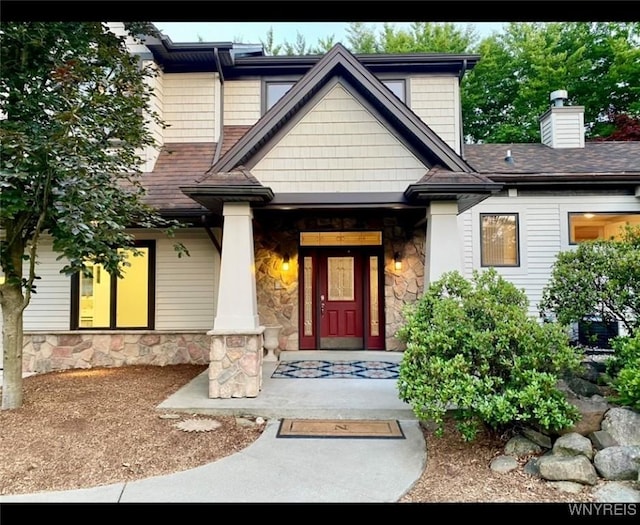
(499, 240)
(592, 226)
(101, 301)
(275, 90)
(398, 87)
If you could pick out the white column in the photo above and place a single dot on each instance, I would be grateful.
(443, 251)
(237, 303)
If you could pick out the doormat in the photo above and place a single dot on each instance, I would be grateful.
(311, 369)
(340, 428)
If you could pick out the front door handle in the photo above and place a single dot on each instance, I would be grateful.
(322, 305)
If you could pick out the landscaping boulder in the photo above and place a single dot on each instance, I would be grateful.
(618, 463)
(573, 444)
(623, 424)
(567, 468)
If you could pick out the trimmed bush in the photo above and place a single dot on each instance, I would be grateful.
(472, 348)
(624, 371)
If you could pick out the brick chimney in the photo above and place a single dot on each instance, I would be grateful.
(562, 126)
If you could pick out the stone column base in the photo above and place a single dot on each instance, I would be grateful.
(235, 365)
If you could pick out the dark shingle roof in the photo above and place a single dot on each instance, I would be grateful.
(177, 165)
(596, 158)
(185, 164)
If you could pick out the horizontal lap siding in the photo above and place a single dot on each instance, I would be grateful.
(188, 101)
(49, 308)
(436, 100)
(339, 146)
(186, 287)
(543, 225)
(241, 102)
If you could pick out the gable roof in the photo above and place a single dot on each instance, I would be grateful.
(340, 62)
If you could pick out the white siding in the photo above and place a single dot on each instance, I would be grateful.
(339, 146)
(436, 100)
(150, 154)
(241, 102)
(50, 306)
(563, 127)
(544, 231)
(189, 107)
(186, 287)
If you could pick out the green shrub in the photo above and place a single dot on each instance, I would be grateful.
(471, 346)
(624, 370)
(599, 278)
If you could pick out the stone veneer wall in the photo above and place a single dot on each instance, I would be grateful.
(401, 287)
(235, 368)
(277, 290)
(61, 351)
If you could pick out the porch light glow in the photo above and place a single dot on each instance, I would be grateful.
(588, 215)
(397, 262)
(285, 263)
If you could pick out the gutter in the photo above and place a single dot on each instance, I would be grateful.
(463, 70)
(216, 155)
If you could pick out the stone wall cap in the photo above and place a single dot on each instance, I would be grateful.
(237, 331)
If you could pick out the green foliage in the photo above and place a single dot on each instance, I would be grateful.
(506, 92)
(427, 37)
(471, 346)
(508, 89)
(624, 370)
(76, 106)
(597, 278)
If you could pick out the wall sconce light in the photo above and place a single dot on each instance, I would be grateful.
(285, 263)
(397, 261)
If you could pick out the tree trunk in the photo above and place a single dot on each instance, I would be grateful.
(12, 309)
(13, 304)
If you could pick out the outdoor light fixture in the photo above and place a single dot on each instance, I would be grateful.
(285, 262)
(397, 262)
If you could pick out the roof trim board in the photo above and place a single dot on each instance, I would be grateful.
(339, 61)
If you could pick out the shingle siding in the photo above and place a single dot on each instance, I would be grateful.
(189, 107)
(436, 99)
(338, 146)
(241, 102)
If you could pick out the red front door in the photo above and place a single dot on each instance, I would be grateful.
(341, 300)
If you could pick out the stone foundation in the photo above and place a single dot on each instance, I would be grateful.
(235, 364)
(66, 350)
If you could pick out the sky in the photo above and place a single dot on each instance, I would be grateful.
(255, 32)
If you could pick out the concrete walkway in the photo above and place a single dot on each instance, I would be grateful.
(286, 470)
